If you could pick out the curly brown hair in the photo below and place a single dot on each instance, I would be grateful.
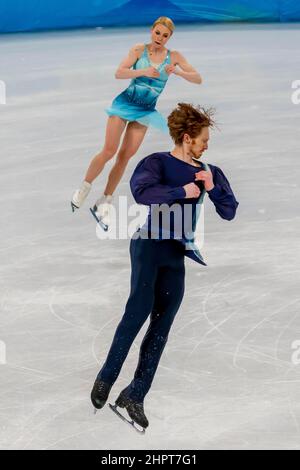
(189, 119)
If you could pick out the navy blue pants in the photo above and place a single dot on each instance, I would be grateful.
(157, 288)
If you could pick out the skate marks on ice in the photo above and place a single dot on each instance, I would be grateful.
(250, 367)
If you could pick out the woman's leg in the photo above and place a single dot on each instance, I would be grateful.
(114, 129)
(138, 307)
(169, 291)
(134, 135)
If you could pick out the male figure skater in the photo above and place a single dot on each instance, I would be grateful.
(157, 252)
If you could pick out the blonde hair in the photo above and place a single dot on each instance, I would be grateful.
(167, 22)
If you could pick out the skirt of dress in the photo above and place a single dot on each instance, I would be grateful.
(131, 111)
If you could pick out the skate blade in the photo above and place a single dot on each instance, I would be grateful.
(99, 221)
(95, 411)
(73, 206)
(131, 423)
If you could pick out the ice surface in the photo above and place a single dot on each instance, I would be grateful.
(229, 376)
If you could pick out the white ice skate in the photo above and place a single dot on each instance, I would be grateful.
(101, 211)
(80, 195)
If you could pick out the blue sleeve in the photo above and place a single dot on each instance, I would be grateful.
(222, 195)
(147, 186)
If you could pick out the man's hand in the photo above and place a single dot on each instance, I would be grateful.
(191, 191)
(207, 178)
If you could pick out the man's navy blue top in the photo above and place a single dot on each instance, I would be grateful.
(159, 179)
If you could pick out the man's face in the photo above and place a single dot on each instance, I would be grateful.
(199, 144)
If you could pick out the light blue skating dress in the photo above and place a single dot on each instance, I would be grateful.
(137, 102)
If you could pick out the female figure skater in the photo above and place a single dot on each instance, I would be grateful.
(134, 109)
(157, 254)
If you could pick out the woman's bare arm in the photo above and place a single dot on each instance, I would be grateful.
(124, 69)
(188, 72)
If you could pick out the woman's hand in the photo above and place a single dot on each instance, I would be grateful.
(184, 70)
(151, 72)
(170, 68)
(206, 177)
(191, 191)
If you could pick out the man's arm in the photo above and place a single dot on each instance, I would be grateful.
(146, 184)
(222, 195)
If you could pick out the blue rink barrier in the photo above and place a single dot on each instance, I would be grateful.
(33, 15)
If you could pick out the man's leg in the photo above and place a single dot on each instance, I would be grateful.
(138, 307)
(169, 291)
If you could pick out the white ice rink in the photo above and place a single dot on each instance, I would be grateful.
(229, 377)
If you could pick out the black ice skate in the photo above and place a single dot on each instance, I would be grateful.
(99, 394)
(134, 409)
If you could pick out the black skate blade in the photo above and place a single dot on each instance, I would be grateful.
(99, 221)
(95, 411)
(73, 206)
(131, 423)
